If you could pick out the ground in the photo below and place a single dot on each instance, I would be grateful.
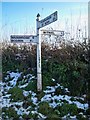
(21, 101)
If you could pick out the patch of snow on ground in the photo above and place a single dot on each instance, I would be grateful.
(25, 93)
(23, 86)
(5, 102)
(32, 77)
(53, 79)
(73, 117)
(46, 97)
(50, 89)
(15, 76)
(53, 100)
(34, 100)
(80, 105)
(42, 116)
(21, 111)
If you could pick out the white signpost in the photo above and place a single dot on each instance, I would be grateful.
(53, 32)
(23, 38)
(48, 20)
(36, 39)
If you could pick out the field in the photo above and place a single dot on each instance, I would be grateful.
(65, 76)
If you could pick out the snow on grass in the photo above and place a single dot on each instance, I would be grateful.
(33, 96)
(50, 89)
(58, 85)
(1, 87)
(54, 100)
(73, 117)
(34, 100)
(53, 79)
(25, 93)
(6, 88)
(54, 104)
(67, 98)
(40, 115)
(23, 86)
(32, 77)
(68, 117)
(80, 105)
(21, 111)
(28, 77)
(15, 76)
(5, 102)
(47, 98)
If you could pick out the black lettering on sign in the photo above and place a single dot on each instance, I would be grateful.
(47, 18)
(19, 37)
(47, 22)
(42, 24)
(16, 40)
(54, 19)
(32, 37)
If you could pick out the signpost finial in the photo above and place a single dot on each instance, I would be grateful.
(38, 15)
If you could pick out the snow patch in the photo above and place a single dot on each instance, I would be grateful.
(15, 76)
(50, 89)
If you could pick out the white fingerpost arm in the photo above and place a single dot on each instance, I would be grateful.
(39, 76)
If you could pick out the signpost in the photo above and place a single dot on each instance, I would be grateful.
(53, 32)
(36, 39)
(23, 38)
(48, 20)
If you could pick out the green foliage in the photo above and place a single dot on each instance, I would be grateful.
(10, 112)
(33, 116)
(67, 108)
(58, 91)
(31, 86)
(44, 108)
(69, 74)
(16, 94)
(30, 116)
(53, 116)
(0, 68)
(28, 103)
(47, 80)
(81, 117)
(40, 95)
(68, 65)
(20, 57)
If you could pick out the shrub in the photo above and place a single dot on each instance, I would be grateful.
(16, 94)
(44, 108)
(53, 116)
(40, 95)
(67, 109)
(31, 86)
(47, 80)
(10, 112)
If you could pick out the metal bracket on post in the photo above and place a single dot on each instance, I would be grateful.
(39, 76)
